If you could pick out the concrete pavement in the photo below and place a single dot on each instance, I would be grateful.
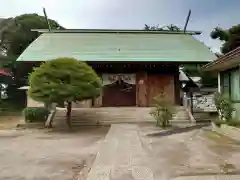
(121, 156)
(217, 177)
(128, 154)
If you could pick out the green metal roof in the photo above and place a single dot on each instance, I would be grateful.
(118, 46)
(139, 31)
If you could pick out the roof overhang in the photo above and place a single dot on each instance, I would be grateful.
(183, 77)
(228, 61)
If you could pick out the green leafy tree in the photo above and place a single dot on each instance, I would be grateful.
(224, 106)
(64, 80)
(170, 27)
(18, 35)
(208, 79)
(163, 110)
(15, 36)
(230, 37)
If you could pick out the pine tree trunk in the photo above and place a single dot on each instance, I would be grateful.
(69, 110)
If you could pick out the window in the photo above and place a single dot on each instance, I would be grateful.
(230, 83)
(225, 83)
(235, 85)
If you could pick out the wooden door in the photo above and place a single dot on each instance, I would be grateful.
(119, 94)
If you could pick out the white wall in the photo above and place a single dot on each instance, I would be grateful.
(32, 103)
(80, 104)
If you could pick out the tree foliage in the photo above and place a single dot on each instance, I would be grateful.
(64, 80)
(15, 37)
(170, 27)
(224, 106)
(163, 110)
(208, 79)
(230, 37)
(18, 35)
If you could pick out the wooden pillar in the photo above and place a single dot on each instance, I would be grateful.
(191, 100)
(141, 89)
(177, 88)
(219, 82)
(98, 101)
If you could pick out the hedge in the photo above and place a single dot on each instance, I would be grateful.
(36, 114)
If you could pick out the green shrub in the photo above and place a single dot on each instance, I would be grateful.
(234, 122)
(163, 110)
(224, 106)
(64, 80)
(36, 114)
(219, 122)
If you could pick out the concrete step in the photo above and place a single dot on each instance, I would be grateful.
(89, 119)
(181, 117)
(92, 116)
(204, 116)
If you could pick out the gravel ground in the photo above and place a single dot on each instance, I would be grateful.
(9, 122)
(41, 155)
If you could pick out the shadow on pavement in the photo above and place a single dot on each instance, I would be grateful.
(177, 130)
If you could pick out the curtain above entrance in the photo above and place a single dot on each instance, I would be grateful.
(112, 78)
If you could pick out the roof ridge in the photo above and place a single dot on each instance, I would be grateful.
(116, 31)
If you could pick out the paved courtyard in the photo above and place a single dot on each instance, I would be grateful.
(128, 151)
(40, 155)
(133, 153)
(188, 153)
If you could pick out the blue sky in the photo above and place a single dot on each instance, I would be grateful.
(133, 14)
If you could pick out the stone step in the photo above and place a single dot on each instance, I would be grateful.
(123, 114)
(91, 116)
(91, 123)
(180, 117)
(115, 118)
(128, 122)
(84, 119)
(204, 116)
(180, 114)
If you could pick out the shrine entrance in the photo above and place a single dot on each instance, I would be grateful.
(119, 90)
